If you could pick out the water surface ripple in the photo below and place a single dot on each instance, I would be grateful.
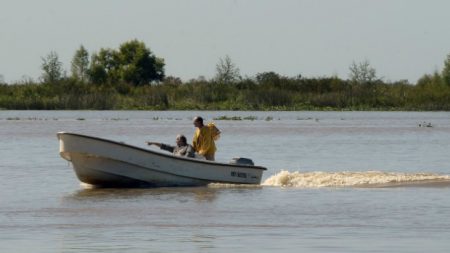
(336, 182)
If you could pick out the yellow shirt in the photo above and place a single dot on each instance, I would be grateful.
(203, 141)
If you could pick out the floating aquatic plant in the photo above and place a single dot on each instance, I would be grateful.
(228, 118)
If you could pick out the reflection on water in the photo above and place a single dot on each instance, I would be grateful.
(183, 194)
(196, 193)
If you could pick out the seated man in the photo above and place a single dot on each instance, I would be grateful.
(181, 149)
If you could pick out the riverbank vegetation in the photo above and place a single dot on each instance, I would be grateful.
(132, 77)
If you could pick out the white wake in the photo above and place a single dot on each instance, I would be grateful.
(351, 179)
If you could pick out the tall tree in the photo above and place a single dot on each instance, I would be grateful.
(52, 68)
(362, 73)
(80, 64)
(133, 63)
(227, 71)
(446, 71)
(104, 67)
(138, 65)
(362, 81)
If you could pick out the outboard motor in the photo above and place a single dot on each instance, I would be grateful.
(242, 161)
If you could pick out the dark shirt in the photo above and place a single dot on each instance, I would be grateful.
(186, 150)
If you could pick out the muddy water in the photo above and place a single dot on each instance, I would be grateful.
(329, 185)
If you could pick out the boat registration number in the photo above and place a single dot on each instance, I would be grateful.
(238, 174)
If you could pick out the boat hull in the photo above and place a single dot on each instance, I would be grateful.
(107, 163)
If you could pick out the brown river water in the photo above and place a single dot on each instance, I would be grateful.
(336, 182)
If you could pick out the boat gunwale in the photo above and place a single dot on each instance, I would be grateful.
(162, 154)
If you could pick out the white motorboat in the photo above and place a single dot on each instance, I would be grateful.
(102, 162)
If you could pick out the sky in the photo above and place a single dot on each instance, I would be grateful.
(402, 39)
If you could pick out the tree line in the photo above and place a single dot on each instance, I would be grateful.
(132, 77)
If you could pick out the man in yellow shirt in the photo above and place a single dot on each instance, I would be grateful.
(204, 137)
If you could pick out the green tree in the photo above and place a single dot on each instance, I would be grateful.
(133, 63)
(52, 68)
(226, 71)
(137, 64)
(104, 67)
(80, 64)
(446, 71)
(268, 78)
